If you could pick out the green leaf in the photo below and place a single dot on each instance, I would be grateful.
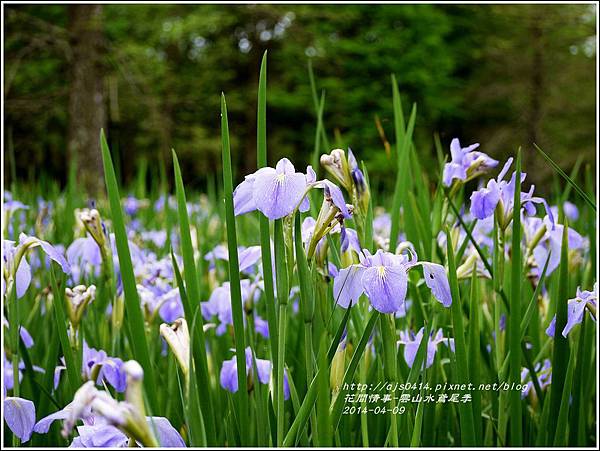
(465, 410)
(191, 293)
(234, 276)
(73, 369)
(265, 239)
(134, 319)
(514, 318)
(560, 356)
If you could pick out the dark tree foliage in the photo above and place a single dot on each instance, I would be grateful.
(502, 75)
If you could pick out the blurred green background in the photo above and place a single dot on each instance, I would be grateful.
(502, 75)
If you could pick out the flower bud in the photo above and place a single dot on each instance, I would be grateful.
(93, 224)
(177, 337)
(337, 165)
(77, 299)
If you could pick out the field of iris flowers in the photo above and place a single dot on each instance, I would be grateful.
(305, 309)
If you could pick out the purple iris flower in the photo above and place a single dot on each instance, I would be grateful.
(261, 326)
(109, 369)
(499, 191)
(383, 277)
(108, 436)
(96, 432)
(228, 376)
(412, 342)
(248, 257)
(466, 163)
(26, 337)
(570, 210)
(576, 309)
(274, 192)
(357, 176)
(544, 375)
(349, 240)
(550, 243)
(21, 275)
(219, 303)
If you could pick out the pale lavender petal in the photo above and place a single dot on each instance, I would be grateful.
(437, 280)
(22, 277)
(243, 200)
(277, 194)
(101, 436)
(264, 370)
(249, 257)
(335, 193)
(386, 287)
(26, 337)
(453, 171)
(261, 326)
(55, 255)
(347, 285)
(228, 376)
(19, 415)
(550, 330)
(42, 426)
(484, 201)
(575, 312)
(167, 435)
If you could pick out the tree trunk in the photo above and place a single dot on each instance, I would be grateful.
(87, 109)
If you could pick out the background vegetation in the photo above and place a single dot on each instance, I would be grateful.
(502, 75)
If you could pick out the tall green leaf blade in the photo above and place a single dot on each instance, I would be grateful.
(465, 411)
(234, 275)
(190, 296)
(514, 319)
(265, 238)
(134, 318)
(560, 356)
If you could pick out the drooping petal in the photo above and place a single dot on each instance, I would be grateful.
(575, 311)
(228, 376)
(101, 436)
(386, 287)
(26, 337)
(347, 285)
(437, 281)
(550, 330)
(484, 201)
(42, 426)
(335, 193)
(264, 367)
(277, 194)
(453, 171)
(248, 257)
(243, 201)
(19, 415)
(55, 255)
(167, 435)
(22, 277)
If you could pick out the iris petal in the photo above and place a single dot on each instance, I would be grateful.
(277, 194)
(386, 287)
(437, 281)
